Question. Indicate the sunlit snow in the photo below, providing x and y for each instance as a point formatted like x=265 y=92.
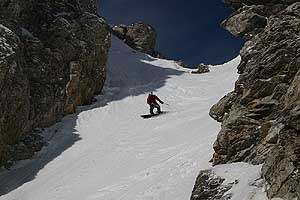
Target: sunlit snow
x=106 y=151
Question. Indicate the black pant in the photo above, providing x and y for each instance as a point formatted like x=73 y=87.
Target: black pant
x=152 y=106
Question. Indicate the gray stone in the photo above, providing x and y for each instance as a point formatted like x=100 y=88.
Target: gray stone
x=14 y=98
x=281 y=169
x=208 y=186
x=260 y=124
x=120 y=31
x=246 y=22
x=201 y=69
x=240 y=3
x=219 y=110
x=53 y=58
x=139 y=36
x=273 y=133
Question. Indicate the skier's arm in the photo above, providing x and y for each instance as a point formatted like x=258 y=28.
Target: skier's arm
x=159 y=100
x=148 y=100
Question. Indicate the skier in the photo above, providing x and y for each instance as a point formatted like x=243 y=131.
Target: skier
x=152 y=101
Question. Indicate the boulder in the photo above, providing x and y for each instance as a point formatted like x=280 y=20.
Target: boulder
x=208 y=186
x=120 y=31
x=201 y=69
x=139 y=36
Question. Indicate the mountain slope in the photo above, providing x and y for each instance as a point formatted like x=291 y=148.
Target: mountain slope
x=107 y=151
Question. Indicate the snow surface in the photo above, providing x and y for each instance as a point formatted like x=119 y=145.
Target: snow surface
x=246 y=180
x=106 y=151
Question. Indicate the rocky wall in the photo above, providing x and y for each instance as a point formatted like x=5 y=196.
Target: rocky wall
x=53 y=58
x=260 y=118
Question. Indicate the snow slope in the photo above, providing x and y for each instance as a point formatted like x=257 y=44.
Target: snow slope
x=106 y=151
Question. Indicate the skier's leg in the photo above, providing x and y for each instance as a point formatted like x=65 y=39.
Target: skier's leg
x=151 y=109
x=158 y=108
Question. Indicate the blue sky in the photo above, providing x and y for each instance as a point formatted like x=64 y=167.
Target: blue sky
x=187 y=31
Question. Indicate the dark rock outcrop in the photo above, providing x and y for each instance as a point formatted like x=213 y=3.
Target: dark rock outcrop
x=222 y=108
x=139 y=36
x=52 y=58
x=260 y=118
x=29 y=144
x=240 y=3
x=247 y=22
x=14 y=101
x=201 y=69
x=208 y=186
x=120 y=31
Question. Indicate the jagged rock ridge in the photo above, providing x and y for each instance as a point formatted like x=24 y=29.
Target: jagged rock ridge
x=52 y=59
x=260 y=118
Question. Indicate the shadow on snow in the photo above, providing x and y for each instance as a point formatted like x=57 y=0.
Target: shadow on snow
x=134 y=77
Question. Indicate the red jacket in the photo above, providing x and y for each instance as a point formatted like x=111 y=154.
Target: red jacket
x=152 y=99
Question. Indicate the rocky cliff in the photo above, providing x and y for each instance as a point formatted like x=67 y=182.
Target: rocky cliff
x=52 y=59
x=261 y=117
x=139 y=36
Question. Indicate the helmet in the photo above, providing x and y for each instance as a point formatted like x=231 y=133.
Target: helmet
x=151 y=93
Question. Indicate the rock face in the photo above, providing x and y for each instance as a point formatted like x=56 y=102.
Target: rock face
x=246 y=22
x=240 y=3
x=209 y=187
x=52 y=58
x=261 y=117
x=139 y=36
